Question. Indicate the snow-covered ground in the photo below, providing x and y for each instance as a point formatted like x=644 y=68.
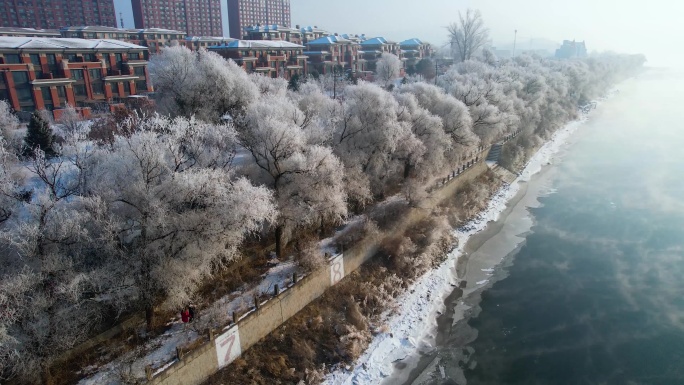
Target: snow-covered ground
x=411 y=328
x=160 y=352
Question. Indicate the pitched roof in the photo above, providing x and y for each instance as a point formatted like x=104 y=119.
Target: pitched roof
x=99 y=28
x=258 y=44
x=376 y=41
x=28 y=31
x=13 y=42
x=328 y=40
x=411 y=43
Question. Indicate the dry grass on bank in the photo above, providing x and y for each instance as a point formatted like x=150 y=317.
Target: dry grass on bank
x=337 y=328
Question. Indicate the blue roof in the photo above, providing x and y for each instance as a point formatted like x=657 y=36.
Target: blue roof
x=411 y=43
x=375 y=41
x=327 y=40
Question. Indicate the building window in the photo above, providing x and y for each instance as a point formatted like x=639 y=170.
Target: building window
x=47 y=96
x=80 y=90
x=61 y=91
x=140 y=86
x=22 y=86
x=35 y=59
x=11 y=58
x=95 y=74
x=127 y=87
x=97 y=88
x=139 y=71
x=77 y=74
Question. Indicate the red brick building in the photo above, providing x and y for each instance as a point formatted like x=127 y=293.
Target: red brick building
x=194 y=43
x=47 y=73
x=270 y=58
x=327 y=52
x=246 y=13
x=272 y=32
x=194 y=17
x=153 y=38
x=56 y=13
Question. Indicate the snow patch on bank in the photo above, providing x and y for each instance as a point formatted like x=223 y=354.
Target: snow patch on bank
x=412 y=327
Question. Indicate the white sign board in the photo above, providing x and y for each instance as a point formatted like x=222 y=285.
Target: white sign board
x=336 y=269
x=228 y=347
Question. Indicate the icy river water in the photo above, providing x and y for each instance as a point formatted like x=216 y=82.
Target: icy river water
x=581 y=281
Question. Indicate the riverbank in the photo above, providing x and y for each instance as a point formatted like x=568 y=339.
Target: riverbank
x=413 y=328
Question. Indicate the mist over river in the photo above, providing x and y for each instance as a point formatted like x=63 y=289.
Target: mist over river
x=582 y=280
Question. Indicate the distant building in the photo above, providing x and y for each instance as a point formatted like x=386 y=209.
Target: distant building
x=153 y=38
x=272 y=32
x=414 y=50
x=372 y=49
x=194 y=43
x=49 y=73
x=194 y=17
x=269 y=58
x=571 y=49
x=245 y=13
x=310 y=33
x=56 y=13
x=29 y=32
x=327 y=52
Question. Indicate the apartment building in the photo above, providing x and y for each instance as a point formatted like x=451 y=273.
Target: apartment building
x=270 y=58
x=49 y=73
x=56 y=13
x=245 y=13
x=194 y=17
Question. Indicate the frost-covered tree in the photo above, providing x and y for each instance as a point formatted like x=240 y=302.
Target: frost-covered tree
x=387 y=68
x=179 y=213
x=467 y=35
x=46 y=250
x=456 y=120
x=9 y=124
x=307 y=179
x=8 y=184
x=201 y=83
x=369 y=133
x=321 y=113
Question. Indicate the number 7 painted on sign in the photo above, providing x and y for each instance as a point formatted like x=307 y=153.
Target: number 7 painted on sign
x=336 y=269
x=228 y=347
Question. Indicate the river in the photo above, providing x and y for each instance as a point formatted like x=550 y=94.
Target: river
x=581 y=281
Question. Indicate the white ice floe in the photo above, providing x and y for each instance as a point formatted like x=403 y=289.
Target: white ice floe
x=411 y=328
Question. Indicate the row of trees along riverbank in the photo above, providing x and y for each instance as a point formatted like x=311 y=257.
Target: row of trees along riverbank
x=135 y=213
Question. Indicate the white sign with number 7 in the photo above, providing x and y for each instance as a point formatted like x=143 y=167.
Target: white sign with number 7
x=228 y=347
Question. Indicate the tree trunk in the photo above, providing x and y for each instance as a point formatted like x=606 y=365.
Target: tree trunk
x=279 y=240
x=407 y=169
x=149 y=317
x=46 y=375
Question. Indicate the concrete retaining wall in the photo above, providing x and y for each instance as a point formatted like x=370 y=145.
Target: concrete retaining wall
x=196 y=367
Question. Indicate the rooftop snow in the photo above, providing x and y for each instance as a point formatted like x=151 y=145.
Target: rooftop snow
x=29 y=30
x=377 y=41
x=99 y=28
x=411 y=43
x=258 y=44
x=209 y=38
x=48 y=43
x=327 y=40
x=267 y=28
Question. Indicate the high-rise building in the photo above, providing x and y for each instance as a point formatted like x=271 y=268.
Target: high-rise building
x=194 y=17
x=245 y=13
x=56 y=13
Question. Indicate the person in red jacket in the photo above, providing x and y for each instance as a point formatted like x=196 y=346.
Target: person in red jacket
x=185 y=315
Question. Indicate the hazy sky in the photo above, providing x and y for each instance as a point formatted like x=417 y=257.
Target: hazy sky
x=651 y=27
